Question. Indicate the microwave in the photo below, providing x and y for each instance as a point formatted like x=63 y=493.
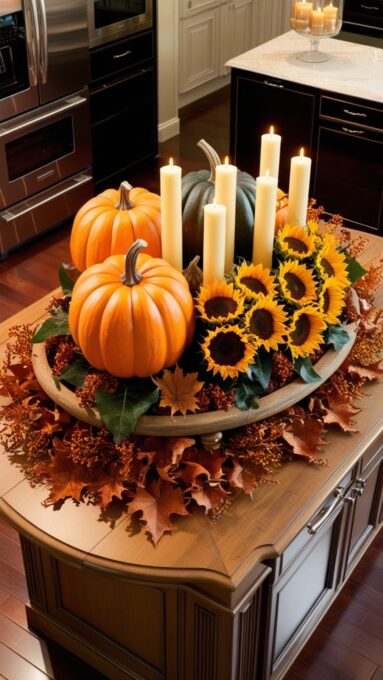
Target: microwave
x=110 y=20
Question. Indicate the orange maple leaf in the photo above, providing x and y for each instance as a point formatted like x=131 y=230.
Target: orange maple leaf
x=373 y=372
x=156 y=503
x=241 y=478
x=178 y=390
x=341 y=412
x=108 y=484
x=65 y=479
x=304 y=436
x=211 y=497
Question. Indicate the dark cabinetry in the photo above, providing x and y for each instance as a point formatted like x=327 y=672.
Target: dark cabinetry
x=123 y=96
x=343 y=136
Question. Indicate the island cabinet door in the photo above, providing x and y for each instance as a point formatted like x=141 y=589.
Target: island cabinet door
x=259 y=102
x=366 y=516
x=304 y=582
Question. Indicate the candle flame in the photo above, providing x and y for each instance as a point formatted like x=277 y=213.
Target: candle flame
x=227 y=160
x=170 y=161
x=271 y=129
x=302 y=152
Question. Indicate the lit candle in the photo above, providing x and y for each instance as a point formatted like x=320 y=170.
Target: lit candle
x=226 y=194
x=317 y=21
x=214 y=227
x=300 y=169
x=264 y=220
x=171 y=214
x=302 y=12
x=270 y=152
x=330 y=18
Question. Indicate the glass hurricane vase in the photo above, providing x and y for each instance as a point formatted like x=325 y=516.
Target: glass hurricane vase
x=315 y=20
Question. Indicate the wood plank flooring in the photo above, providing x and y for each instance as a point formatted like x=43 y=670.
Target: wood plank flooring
x=348 y=645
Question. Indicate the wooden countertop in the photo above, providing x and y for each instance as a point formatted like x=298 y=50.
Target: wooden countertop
x=352 y=69
x=223 y=556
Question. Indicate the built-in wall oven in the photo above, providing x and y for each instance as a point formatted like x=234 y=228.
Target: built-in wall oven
x=45 y=142
x=114 y=19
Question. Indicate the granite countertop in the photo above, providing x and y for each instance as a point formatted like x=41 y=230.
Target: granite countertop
x=352 y=69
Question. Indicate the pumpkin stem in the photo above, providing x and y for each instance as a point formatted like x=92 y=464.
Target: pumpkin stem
x=132 y=276
x=124 y=202
x=211 y=156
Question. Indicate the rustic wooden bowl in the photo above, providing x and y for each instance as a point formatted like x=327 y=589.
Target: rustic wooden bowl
x=211 y=423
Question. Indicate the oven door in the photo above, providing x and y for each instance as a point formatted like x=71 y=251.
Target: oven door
x=114 y=19
x=43 y=147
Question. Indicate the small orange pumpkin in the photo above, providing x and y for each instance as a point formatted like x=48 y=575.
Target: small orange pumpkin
x=132 y=315
x=109 y=223
x=281 y=209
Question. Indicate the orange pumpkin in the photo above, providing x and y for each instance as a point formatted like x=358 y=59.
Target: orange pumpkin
x=132 y=315
x=109 y=223
x=281 y=209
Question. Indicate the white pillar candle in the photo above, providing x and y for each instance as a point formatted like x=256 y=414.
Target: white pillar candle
x=264 y=220
x=226 y=194
x=330 y=18
x=171 y=214
x=317 y=21
x=302 y=11
x=214 y=228
x=300 y=169
x=270 y=153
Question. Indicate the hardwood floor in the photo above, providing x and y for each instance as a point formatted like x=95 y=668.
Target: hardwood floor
x=349 y=641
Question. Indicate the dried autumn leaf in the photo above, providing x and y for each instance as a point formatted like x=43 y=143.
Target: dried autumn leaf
x=156 y=503
x=212 y=497
x=108 y=484
x=241 y=478
x=304 y=436
x=65 y=479
x=178 y=390
x=373 y=372
x=212 y=460
x=340 y=412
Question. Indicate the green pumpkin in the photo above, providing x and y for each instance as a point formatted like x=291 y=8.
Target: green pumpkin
x=197 y=190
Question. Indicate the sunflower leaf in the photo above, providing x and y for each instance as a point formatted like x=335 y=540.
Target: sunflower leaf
x=260 y=370
x=336 y=336
x=120 y=410
x=355 y=270
x=55 y=325
x=76 y=372
x=304 y=368
x=67 y=276
x=246 y=394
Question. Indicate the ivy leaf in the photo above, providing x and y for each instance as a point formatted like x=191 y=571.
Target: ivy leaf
x=67 y=277
x=246 y=394
x=260 y=371
x=337 y=336
x=76 y=372
x=355 y=270
x=304 y=368
x=55 y=325
x=120 y=410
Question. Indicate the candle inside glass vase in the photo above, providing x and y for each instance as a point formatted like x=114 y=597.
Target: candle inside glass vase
x=330 y=13
x=317 y=21
x=301 y=15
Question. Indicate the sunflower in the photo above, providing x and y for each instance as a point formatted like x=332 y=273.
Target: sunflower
x=297 y=282
x=228 y=351
x=331 y=300
x=254 y=280
x=266 y=321
x=219 y=302
x=295 y=242
x=331 y=262
x=305 y=331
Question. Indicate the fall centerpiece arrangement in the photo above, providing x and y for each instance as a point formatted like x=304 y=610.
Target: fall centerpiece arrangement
x=164 y=387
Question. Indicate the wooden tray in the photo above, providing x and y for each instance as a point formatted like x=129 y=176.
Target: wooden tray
x=211 y=422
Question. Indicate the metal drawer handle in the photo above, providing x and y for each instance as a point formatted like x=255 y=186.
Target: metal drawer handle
x=34 y=120
x=315 y=524
x=123 y=54
x=372 y=7
x=353 y=132
x=355 y=113
x=267 y=82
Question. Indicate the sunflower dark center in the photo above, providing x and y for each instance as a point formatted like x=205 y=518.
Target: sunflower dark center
x=254 y=284
x=220 y=306
x=227 y=349
x=327 y=267
x=261 y=323
x=295 y=285
x=296 y=244
x=326 y=301
x=302 y=330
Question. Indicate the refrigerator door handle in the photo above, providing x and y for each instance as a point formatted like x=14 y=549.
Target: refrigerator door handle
x=32 y=42
x=43 y=40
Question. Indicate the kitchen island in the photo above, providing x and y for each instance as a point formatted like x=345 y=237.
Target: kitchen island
x=333 y=109
x=231 y=600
